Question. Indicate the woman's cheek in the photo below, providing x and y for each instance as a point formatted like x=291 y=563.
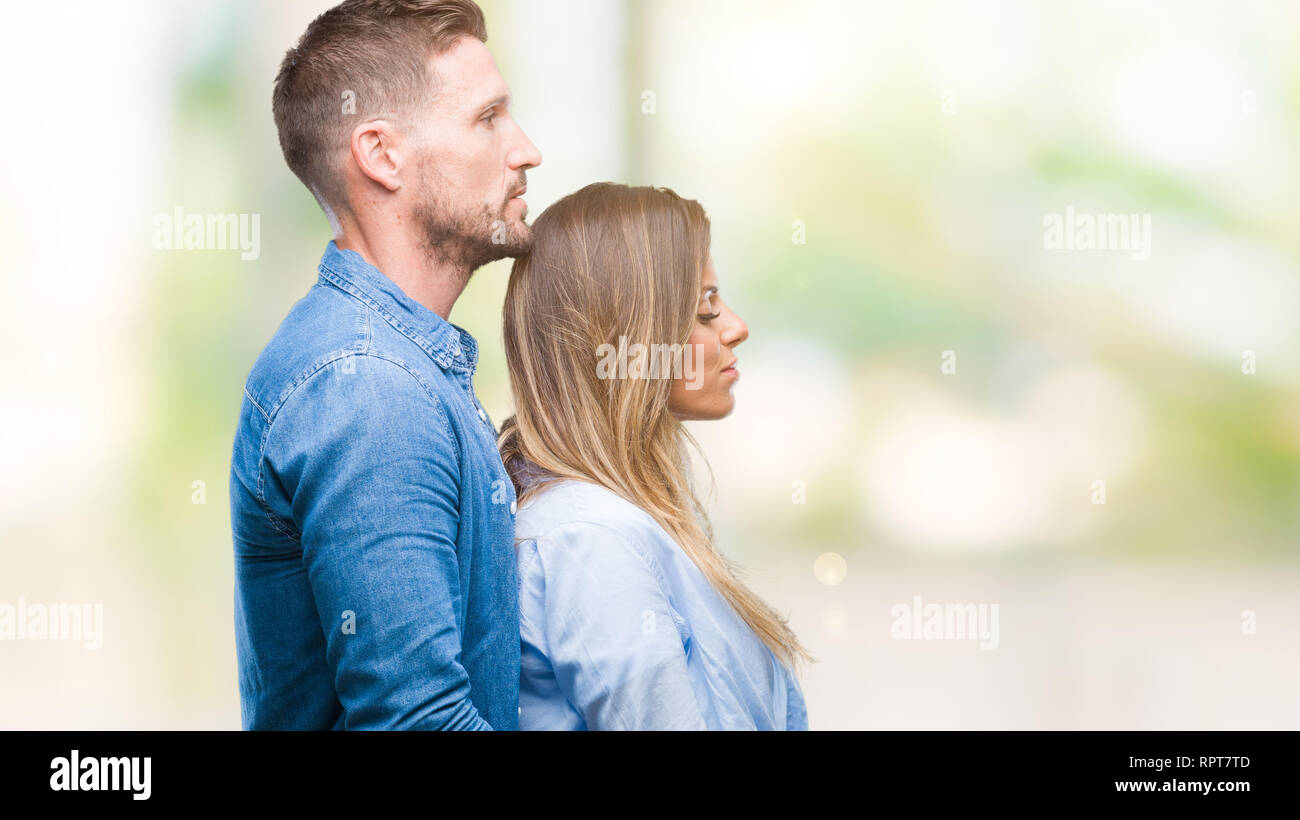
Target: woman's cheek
x=712 y=349
x=698 y=352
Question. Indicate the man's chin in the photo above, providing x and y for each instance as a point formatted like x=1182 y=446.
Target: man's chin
x=512 y=246
x=519 y=239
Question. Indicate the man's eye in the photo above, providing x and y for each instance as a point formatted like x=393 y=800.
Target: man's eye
x=489 y=118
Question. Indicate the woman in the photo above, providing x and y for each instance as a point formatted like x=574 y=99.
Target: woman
x=629 y=618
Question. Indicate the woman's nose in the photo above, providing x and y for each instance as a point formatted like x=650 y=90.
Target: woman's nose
x=735 y=332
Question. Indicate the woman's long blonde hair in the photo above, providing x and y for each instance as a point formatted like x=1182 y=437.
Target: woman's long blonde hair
x=611 y=261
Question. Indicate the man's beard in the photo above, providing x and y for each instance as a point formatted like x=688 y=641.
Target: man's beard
x=466 y=238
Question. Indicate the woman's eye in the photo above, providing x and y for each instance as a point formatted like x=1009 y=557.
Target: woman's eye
x=706 y=307
x=708 y=317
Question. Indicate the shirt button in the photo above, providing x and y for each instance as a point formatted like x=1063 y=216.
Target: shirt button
x=514 y=505
x=481 y=414
x=456 y=352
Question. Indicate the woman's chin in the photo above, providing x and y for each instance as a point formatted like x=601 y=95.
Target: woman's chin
x=702 y=412
x=727 y=406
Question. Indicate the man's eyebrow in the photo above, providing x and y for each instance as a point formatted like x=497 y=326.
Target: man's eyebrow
x=503 y=99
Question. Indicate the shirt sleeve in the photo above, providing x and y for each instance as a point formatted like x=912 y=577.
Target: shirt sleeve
x=367 y=459
x=613 y=640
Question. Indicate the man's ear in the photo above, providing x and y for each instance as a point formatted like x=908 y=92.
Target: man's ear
x=376 y=151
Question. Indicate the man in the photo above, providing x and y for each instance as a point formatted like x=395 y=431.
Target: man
x=373 y=520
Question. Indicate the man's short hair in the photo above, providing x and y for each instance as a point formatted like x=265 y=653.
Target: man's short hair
x=361 y=60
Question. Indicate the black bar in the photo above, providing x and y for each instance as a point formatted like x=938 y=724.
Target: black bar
x=1032 y=769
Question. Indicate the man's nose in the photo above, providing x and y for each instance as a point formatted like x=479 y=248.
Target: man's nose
x=525 y=154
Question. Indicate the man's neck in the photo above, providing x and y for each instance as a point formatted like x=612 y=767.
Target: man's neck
x=434 y=283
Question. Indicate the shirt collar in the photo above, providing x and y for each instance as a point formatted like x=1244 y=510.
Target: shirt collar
x=448 y=344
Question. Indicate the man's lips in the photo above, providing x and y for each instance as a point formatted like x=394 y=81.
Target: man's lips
x=519 y=195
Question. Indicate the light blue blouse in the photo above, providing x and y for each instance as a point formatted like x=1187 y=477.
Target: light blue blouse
x=620 y=630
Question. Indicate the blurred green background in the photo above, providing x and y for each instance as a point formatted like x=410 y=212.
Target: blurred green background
x=878 y=176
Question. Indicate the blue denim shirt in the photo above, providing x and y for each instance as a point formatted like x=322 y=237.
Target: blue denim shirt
x=621 y=630
x=375 y=582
